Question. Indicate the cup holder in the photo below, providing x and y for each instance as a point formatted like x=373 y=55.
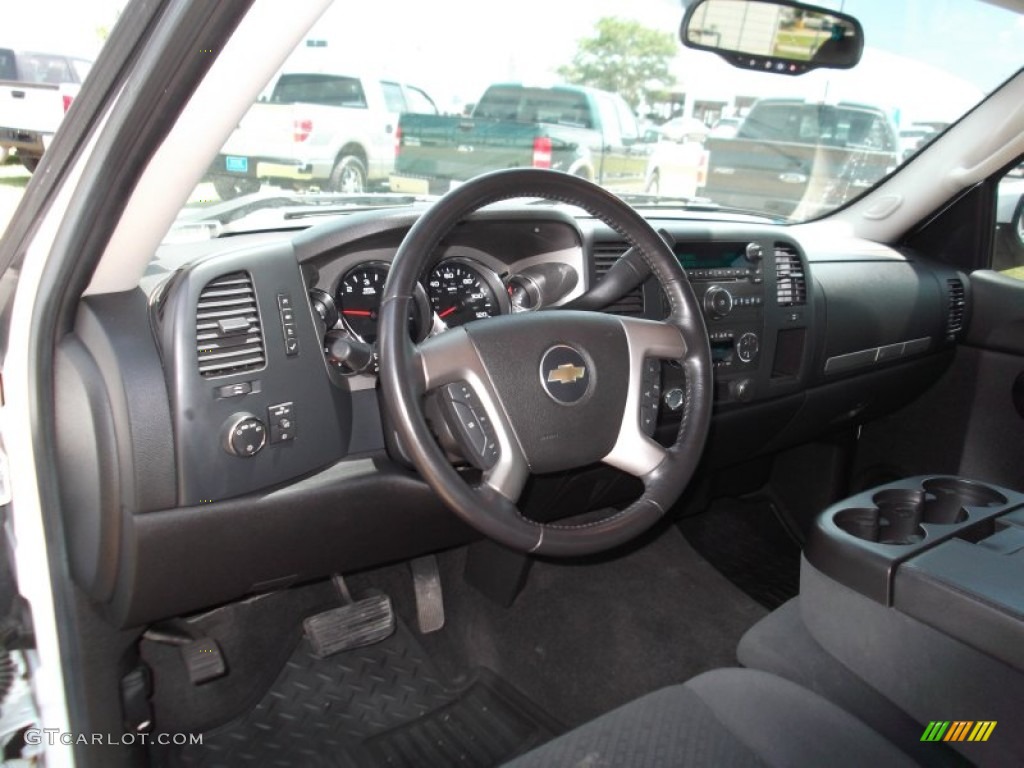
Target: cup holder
x=899 y=514
x=895 y=523
x=964 y=492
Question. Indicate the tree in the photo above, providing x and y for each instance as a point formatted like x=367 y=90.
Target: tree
x=624 y=57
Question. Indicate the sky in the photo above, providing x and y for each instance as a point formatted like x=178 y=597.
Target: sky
x=455 y=48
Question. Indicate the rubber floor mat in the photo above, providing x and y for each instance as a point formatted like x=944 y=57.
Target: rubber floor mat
x=382 y=705
x=745 y=541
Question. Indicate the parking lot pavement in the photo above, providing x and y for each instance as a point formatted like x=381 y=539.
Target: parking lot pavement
x=13 y=180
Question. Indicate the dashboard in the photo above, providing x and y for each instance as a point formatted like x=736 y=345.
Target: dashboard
x=234 y=399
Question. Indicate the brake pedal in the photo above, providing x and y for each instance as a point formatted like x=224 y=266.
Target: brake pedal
x=362 y=622
x=426 y=581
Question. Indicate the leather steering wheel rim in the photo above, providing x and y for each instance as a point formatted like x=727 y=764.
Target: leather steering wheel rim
x=405 y=376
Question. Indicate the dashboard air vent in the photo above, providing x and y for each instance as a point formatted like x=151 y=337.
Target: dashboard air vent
x=957 y=306
x=229 y=338
x=791 y=283
x=606 y=254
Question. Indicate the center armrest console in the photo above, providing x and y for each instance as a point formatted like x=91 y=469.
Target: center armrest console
x=944 y=550
x=917 y=587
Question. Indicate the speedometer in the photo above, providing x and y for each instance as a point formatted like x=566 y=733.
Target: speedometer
x=461 y=291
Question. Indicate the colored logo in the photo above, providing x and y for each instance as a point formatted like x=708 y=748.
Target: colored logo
x=567 y=373
x=564 y=374
x=958 y=730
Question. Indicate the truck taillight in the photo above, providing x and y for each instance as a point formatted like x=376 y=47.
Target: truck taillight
x=541 y=152
x=301 y=130
x=67 y=99
x=702 y=168
x=398 y=141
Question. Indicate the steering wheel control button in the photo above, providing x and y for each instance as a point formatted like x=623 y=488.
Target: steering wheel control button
x=565 y=374
x=286 y=310
x=471 y=425
x=244 y=435
x=281 y=418
x=674 y=399
x=650 y=395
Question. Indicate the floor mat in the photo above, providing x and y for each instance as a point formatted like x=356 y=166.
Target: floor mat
x=746 y=542
x=587 y=636
x=382 y=705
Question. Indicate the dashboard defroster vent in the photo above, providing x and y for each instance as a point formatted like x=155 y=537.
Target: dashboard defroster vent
x=229 y=338
x=605 y=255
x=957 y=307
x=791 y=283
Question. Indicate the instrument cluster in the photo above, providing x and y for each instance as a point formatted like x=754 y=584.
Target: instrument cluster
x=458 y=289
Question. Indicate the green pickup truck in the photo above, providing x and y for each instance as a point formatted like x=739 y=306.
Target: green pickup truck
x=582 y=131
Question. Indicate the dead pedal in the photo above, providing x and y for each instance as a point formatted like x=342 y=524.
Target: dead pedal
x=204 y=660
x=360 y=623
x=426 y=582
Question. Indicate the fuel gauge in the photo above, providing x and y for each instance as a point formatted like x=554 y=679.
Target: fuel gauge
x=523 y=293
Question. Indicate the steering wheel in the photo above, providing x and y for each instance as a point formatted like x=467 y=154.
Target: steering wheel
x=543 y=391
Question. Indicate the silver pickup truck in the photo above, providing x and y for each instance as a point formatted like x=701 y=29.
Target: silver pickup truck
x=36 y=89
x=318 y=127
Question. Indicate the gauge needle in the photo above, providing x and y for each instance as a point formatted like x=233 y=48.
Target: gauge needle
x=447 y=312
x=357 y=312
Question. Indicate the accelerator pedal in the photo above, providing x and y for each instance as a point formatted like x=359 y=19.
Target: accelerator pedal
x=356 y=624
x=426 y=581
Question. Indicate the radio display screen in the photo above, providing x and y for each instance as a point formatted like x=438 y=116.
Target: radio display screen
x=711 y=255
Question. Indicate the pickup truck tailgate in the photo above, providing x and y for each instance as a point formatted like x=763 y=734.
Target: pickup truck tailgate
x=778 y=173
x=35 y=107
x=459 y=148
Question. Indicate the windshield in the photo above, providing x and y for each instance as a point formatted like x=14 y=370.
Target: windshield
x=415 y=104
x=603 y=90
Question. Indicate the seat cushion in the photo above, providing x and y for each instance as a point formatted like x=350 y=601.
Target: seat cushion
x=727 y=717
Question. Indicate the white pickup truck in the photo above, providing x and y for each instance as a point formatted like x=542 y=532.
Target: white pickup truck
x=36 y=89
x=318 y=127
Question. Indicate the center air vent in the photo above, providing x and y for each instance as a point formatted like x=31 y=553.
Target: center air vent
x=228 y=334
x=605 y=255
x=957 y=307
x=791 y=283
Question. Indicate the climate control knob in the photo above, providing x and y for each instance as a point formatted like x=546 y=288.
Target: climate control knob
x=244 y=435
x=747 y=347
x=717 y=301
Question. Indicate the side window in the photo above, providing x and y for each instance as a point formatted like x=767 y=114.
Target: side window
x=417 y=101
x=393 y=97
x=81 y=67
x=627 y=121
x=609 y=119
x=1008 y=255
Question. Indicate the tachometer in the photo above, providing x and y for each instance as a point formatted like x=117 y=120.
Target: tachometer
x=461 y=291
x=358 y=299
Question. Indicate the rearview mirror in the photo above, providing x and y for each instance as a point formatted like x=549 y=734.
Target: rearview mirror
x=776 y=36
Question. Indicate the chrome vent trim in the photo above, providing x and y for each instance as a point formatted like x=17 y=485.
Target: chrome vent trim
x=957 y=308
x=229 y=337
x=605 y=255
x=791 y=282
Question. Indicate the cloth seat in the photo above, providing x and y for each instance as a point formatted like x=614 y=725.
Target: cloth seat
x=722 y=718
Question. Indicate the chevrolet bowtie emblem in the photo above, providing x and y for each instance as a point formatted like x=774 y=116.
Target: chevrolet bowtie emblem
x=566 y=374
